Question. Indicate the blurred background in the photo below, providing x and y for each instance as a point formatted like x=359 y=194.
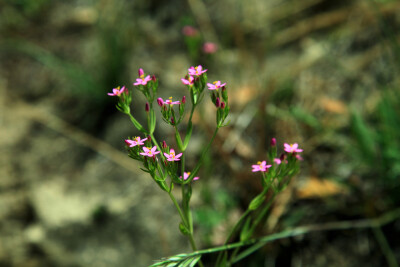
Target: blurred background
x=324 y=74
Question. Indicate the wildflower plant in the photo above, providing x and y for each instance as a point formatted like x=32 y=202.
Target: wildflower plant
x=166 y=165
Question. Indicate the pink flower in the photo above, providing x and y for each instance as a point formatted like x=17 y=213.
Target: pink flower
x=117 y=91
x=215 y=85
x=150 y=152
x=142 y=80
x=277 y=161
x=170 y=102
x=189 y=81
x=197 y=71
x=189 y=31
x=210 y=47
x=186 y=176
x=260 y=167
x=135 y=142
x=292 y=148
x=171 y=156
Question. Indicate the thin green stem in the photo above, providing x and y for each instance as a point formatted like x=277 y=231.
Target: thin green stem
x=386 y=250
x=183 y=218
x=200 y=162
x=301 y=230
x=262 y=214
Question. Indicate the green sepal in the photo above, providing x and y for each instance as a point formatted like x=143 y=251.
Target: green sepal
x=256 y=202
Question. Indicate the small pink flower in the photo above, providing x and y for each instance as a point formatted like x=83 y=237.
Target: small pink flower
x=160 y=101
x=189 y=31
x=170 y=102
x=261 y=167
x=277 y=161
x=142 y=80
x=150 y=152
x=186 y=176
x=299 y=157
x=292 y=148
x=117 y=91
x=215 y=85
x=171 y=156
x=135 y=142
x=210 y=47
x=197 y=71
x=189 y=81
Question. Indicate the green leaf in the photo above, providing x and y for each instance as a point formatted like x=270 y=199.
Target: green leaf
x=245 y=234
x=178 y=139
x=256 y=202
x=184 y=230
x=181 y=260
x=364 y=137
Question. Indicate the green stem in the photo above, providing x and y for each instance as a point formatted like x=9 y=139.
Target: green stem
x=301 y=230
x=183 y=218
x=262 y=214
x=387 y=251
x=200 y=162
x=257 y=221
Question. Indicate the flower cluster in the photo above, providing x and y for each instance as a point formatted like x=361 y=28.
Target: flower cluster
x=278 y=173
x=168 y=112
x=166 y=166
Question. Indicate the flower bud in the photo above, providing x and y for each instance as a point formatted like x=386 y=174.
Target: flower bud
x=153 y=78
x=282 y=157
x=223 y=105
x=172 y=121
x=141 y=72
x=217 y=102
x=160 y=101
x=164 y=144
x=147 y=107
x=273 y=141
x=183 y=100
x=149 y=139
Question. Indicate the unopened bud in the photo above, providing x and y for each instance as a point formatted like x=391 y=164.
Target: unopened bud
x=140 y=72
x=273 y=141
x=164 y=144
x=172 y=120
x=282 y=157
x=149 y=139
x=217 y=102
x=223 y=105
x=153 y=78
x=183 y=99
x=147 y=107
x=160 y=102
